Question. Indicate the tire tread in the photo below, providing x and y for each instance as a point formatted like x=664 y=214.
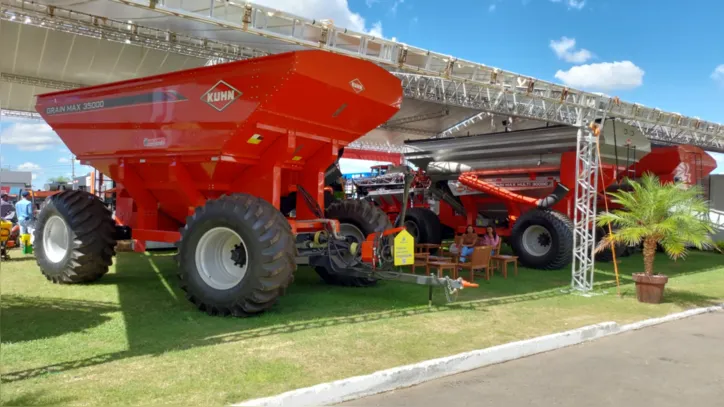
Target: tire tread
x=272 y=274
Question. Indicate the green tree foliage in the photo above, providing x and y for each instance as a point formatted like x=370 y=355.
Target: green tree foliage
x=671 y=214
x=59 y=179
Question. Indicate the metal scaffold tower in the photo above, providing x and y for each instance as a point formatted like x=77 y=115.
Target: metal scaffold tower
x=584 y=211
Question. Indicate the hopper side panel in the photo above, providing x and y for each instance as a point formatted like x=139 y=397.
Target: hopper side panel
x=189 y=111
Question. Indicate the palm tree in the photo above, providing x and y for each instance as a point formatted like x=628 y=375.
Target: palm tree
x=672 y=214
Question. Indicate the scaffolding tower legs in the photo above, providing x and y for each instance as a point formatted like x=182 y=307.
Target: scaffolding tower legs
x=584 y=212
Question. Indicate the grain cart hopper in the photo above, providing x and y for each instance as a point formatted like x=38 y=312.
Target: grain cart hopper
x=202 y=158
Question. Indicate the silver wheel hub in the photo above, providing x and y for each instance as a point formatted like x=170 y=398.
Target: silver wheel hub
x=352 y=234
x=536 y=240
x=221 y=258
x=56 y=239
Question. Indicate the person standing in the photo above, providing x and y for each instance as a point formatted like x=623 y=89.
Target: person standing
x=24 y=211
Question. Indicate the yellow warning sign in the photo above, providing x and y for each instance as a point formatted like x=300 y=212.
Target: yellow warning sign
x=404 y=250
x=255 y=139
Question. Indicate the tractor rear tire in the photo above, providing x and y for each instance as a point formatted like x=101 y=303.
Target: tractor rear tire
x=424 y=225
x=357 y=219
x=74 y=238
x=236 y=256
x=543 y=239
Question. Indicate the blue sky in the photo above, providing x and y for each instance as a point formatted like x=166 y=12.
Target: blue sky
x=661 y=53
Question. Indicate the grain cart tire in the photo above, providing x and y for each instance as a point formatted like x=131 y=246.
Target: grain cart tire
x=543 y=239
x=357 y=220
x=235 y=256
x=424 y=225
x=74 y=238
x=242 y=198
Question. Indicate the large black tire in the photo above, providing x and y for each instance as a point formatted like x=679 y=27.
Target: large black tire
x=425 y=225
x=90 y=230
x=558 y=241
x=268 y=258
x=367 y=218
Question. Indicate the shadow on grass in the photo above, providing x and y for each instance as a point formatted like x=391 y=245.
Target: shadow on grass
x=32 y=318
x=19 y=259
x=159 y=319
x=36 y=398
x=689 y=299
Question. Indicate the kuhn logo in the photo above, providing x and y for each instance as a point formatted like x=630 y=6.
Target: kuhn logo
x=356 y=85
x=221 y=95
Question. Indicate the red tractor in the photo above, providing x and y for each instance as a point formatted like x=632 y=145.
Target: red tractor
x=204 y=158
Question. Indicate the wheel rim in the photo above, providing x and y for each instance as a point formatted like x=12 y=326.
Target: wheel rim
x=412 y=229
x=222 y=258
x=55 y=239
x=537 y=240
x=353 y=234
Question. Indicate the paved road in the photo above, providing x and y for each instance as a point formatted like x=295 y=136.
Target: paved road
x=677 y=364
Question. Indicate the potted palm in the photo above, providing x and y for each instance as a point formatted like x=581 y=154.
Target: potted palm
x=672 y=215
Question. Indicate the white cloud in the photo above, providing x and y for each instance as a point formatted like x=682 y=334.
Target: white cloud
x=606 y=76
x=565 y=49
x=29 y=136
x=718 y=74
x=395 y=3
x=376 y=30
x=28 y=166
x=573 y=4
x=34 y=176
x=335 y=10
x=63 y=160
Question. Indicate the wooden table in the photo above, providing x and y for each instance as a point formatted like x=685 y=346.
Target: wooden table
x=504 y=260
x=444 y=265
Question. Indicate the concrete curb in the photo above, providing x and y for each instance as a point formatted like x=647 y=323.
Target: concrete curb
x=668 y=318
x=410 y=375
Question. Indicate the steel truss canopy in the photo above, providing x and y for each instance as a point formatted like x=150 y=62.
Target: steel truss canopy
x=433 y=82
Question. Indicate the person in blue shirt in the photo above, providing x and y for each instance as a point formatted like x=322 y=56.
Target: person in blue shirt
x=24 y=212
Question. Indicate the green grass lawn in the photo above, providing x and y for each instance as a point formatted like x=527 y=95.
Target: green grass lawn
x=131 y=338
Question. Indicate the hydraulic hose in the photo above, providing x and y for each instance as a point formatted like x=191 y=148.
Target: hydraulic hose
x=470 y=180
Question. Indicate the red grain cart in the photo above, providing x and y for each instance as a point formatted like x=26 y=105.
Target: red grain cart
x=522 y=183
x=203 y=157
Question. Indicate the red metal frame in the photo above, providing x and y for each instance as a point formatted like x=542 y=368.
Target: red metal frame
x=259 y=126
x=371 y=155
x=689 y=163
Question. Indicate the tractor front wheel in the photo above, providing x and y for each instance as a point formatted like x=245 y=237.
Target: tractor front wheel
x=357 y=220
x=236 y=256
x=74 y=238
x=543 y=239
